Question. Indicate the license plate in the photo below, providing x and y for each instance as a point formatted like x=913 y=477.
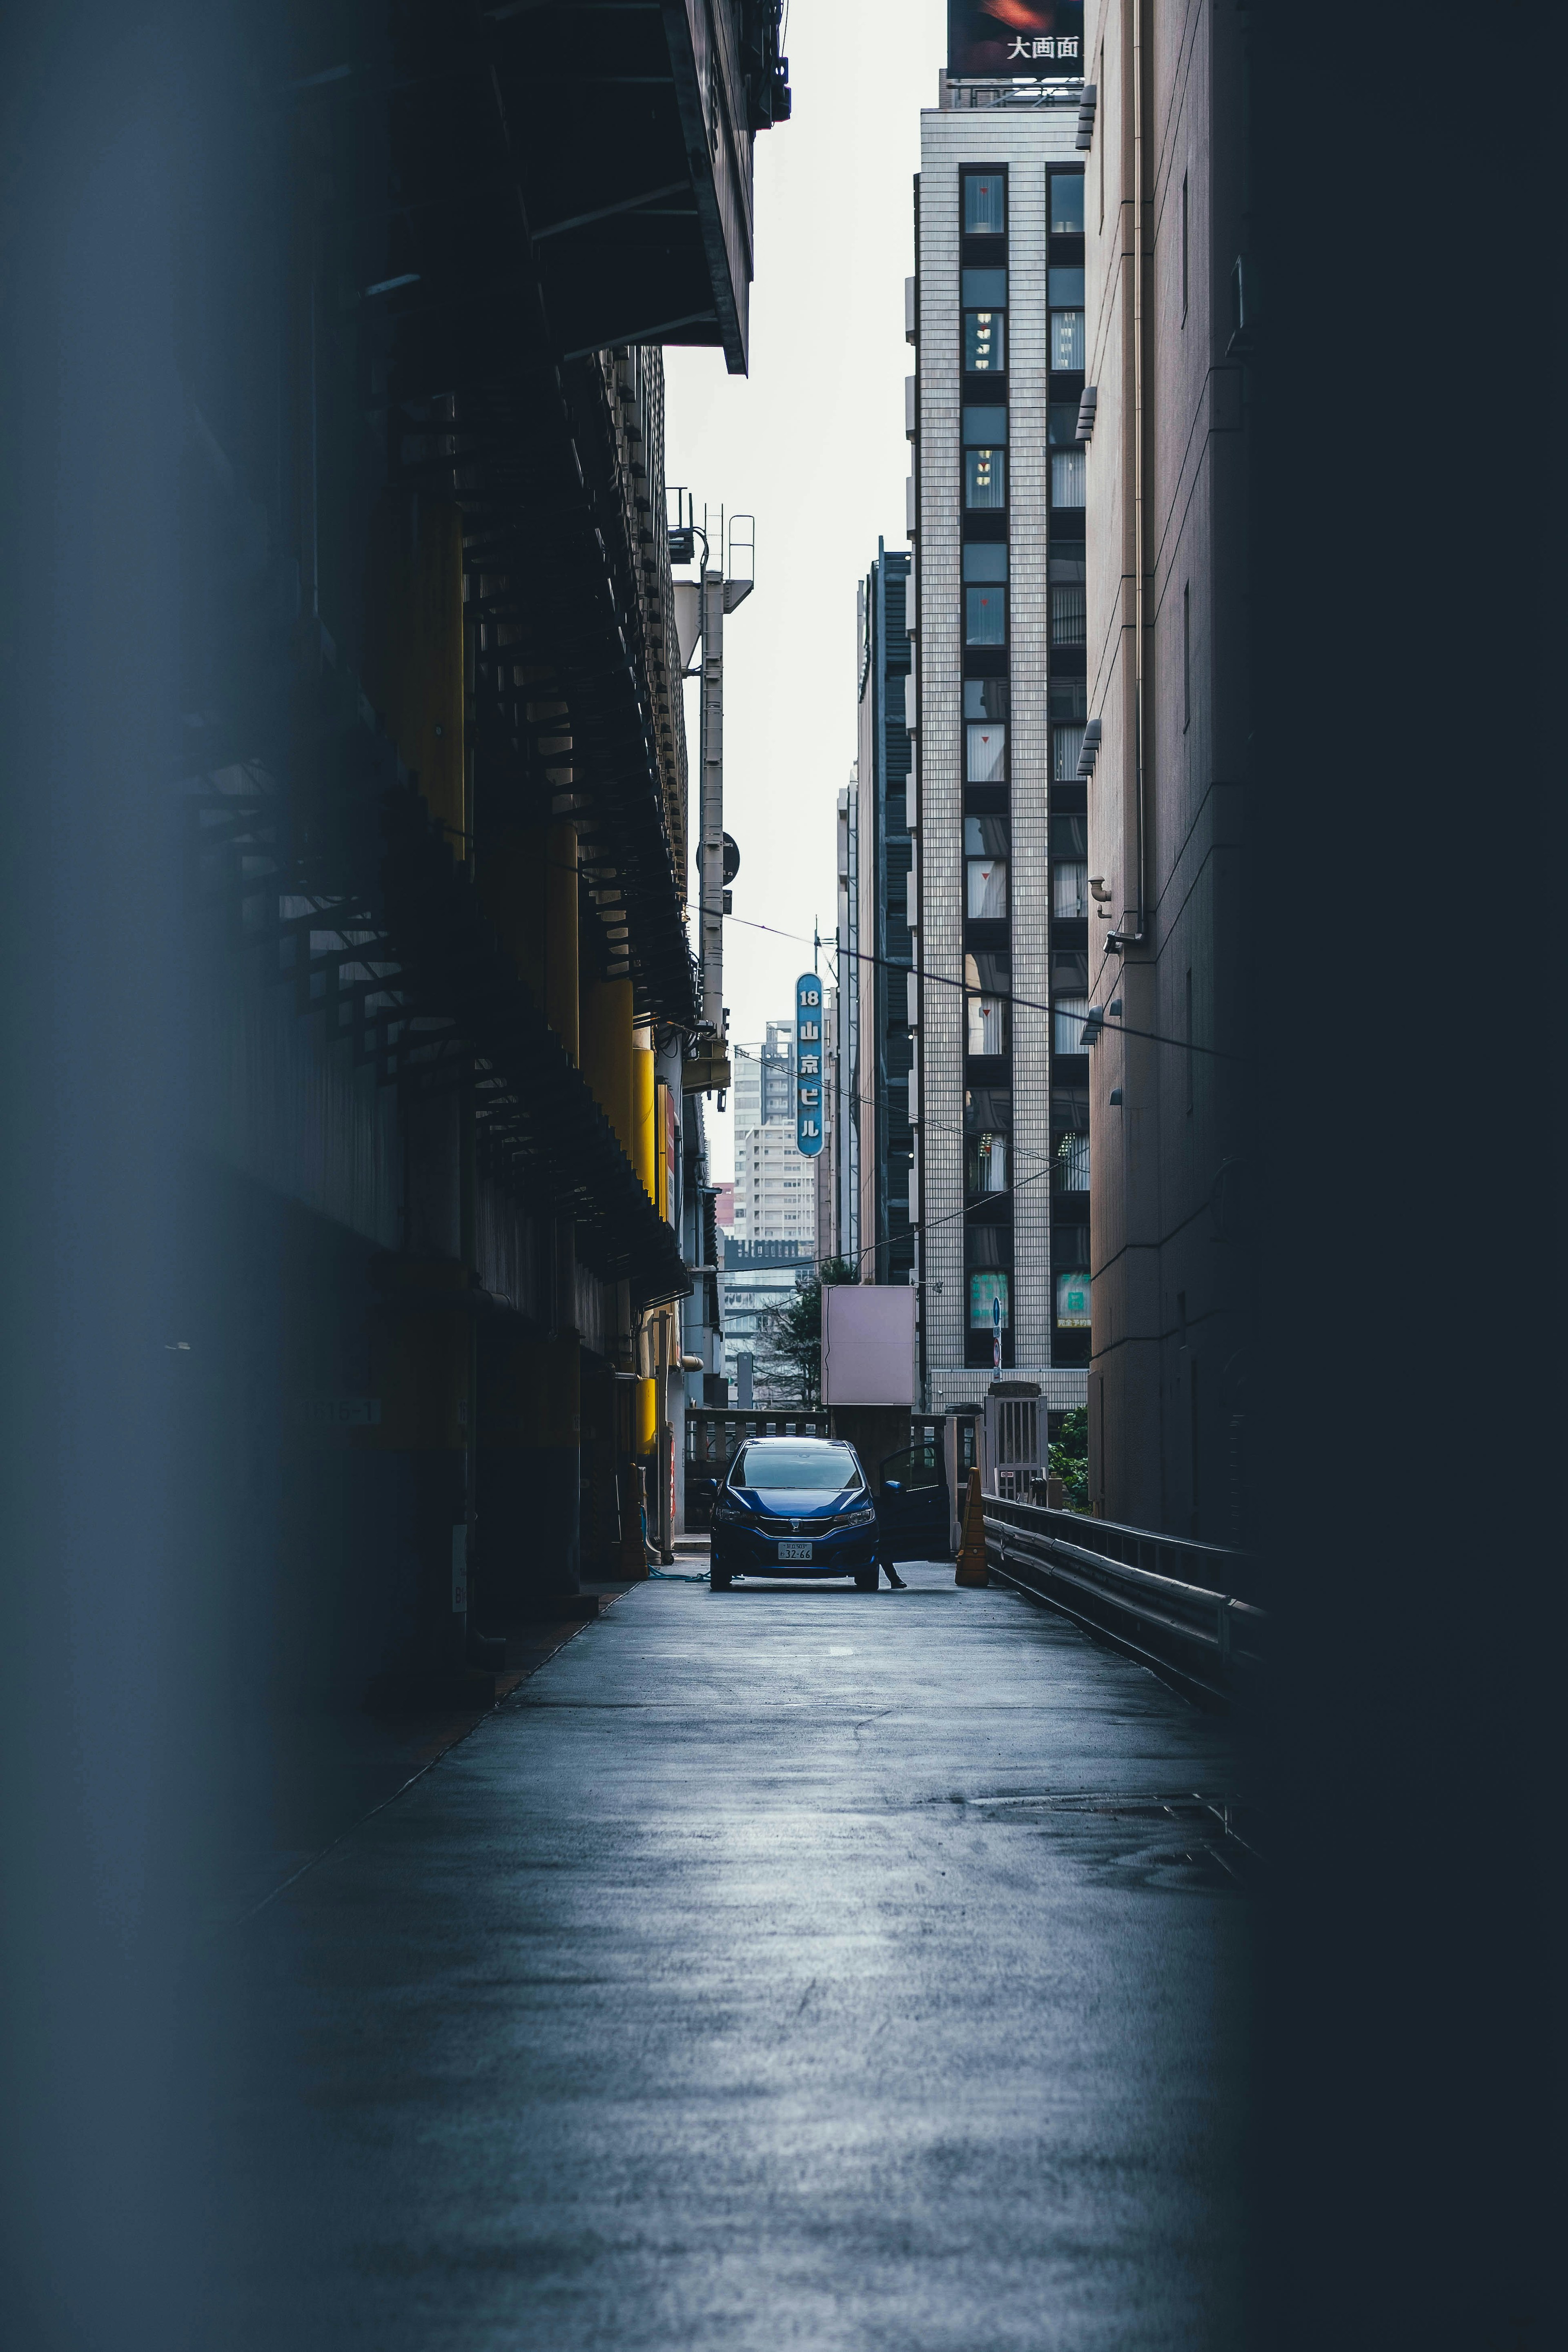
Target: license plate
x=795 y=1551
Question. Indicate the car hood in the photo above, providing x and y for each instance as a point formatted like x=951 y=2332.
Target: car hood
x=798 y=1502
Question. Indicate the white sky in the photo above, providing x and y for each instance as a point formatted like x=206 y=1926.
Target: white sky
x=812 y=443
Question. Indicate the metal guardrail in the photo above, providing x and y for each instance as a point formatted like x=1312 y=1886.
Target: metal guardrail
x=1203 y=1636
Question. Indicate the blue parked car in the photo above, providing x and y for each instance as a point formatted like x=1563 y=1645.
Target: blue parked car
x=796 y=1507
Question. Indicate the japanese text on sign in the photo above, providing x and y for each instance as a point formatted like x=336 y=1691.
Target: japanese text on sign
x=808 y=1114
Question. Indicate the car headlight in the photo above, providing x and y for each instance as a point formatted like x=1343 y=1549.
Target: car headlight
x=863 y=1519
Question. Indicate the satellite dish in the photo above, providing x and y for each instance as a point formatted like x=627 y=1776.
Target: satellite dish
x=731 y=860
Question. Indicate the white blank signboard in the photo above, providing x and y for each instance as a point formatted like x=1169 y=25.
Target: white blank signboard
x=868 y=1344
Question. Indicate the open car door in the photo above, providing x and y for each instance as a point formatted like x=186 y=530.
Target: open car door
x=913 y=1505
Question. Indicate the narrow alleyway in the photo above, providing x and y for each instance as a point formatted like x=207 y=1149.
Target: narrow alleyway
x=776 y=1967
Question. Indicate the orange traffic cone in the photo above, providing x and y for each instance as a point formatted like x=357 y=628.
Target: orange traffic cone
x=972 y=1563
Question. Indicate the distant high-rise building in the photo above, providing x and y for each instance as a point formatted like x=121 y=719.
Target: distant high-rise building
x=996 y=804
x=842 y=1149
x=885 y=952
x=765 y=1080
x=775 y=1187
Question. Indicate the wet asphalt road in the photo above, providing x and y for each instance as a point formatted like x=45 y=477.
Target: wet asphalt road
x=708 y=1998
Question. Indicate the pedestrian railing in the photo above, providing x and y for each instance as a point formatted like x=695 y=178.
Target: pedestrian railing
x=1182 y=1607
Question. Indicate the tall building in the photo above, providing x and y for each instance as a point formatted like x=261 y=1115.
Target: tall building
x=885 y=953
x=775 y=1187
x=842 y=1148
x=765 y=1080
x=996 y=514
x=1168 y=345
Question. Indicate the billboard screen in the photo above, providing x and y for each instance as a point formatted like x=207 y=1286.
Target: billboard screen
x=1032 y=40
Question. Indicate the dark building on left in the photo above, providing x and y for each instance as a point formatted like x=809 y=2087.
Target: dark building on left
x=378 y=1009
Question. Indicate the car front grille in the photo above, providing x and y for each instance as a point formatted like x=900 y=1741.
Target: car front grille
x=768 y=1526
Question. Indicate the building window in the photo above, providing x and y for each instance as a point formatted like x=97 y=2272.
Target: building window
x=987 y=1133
x=1064 y=290
x=1072 y=1301
x=984 y=204
x=1069 y=615
x=1066 y=742
x=985 y=1025
x=985 y=617
x=988 y=1292
x=1070 y=891
x=986 y=342
x=985 y=427
x=1067 y=1016
x=1067 y=340
x=1070 y=1173
x=1061 y=425
x=1069 y=475
x=985 y=752
x=987 y=976
x=1065 y=561
x=1067 y=203
x=983 y=289
x=986 y=868
x=984 y=478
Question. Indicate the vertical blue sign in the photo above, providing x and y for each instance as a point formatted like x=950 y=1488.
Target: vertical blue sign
x=808 y=1064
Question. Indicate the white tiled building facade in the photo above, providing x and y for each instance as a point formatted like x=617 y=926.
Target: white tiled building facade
x=775 y=1187
x=985 y=1200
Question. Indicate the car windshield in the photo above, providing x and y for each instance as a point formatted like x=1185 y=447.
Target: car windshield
x=820 y=1469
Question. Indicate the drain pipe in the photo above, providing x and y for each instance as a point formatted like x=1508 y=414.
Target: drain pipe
x=1140 y=625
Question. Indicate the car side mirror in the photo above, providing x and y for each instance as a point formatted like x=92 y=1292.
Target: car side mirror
x=892 y=1487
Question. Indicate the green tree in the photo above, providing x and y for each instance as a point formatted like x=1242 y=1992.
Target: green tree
x=1070 y=1458
x=790 y=1354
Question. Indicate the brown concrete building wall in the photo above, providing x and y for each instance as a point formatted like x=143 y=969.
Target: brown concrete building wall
x=1168 y=1378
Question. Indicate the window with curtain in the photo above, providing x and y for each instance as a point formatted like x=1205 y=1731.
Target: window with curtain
x=1069 y=613
x=984 y=204
x=1072 y=1163
x=984 y=478
x=1069 y=476
x=1067 y=1016
x=1066 y=742
x=986 y=342
x=985 y=615
x=987 y=977
x=985 y=751
x=985 y=1026
x=1067 y=203
x=1069 y=889
x=1069 y=833
x=986 y=895
x=1066 y=338
x=985 y=868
